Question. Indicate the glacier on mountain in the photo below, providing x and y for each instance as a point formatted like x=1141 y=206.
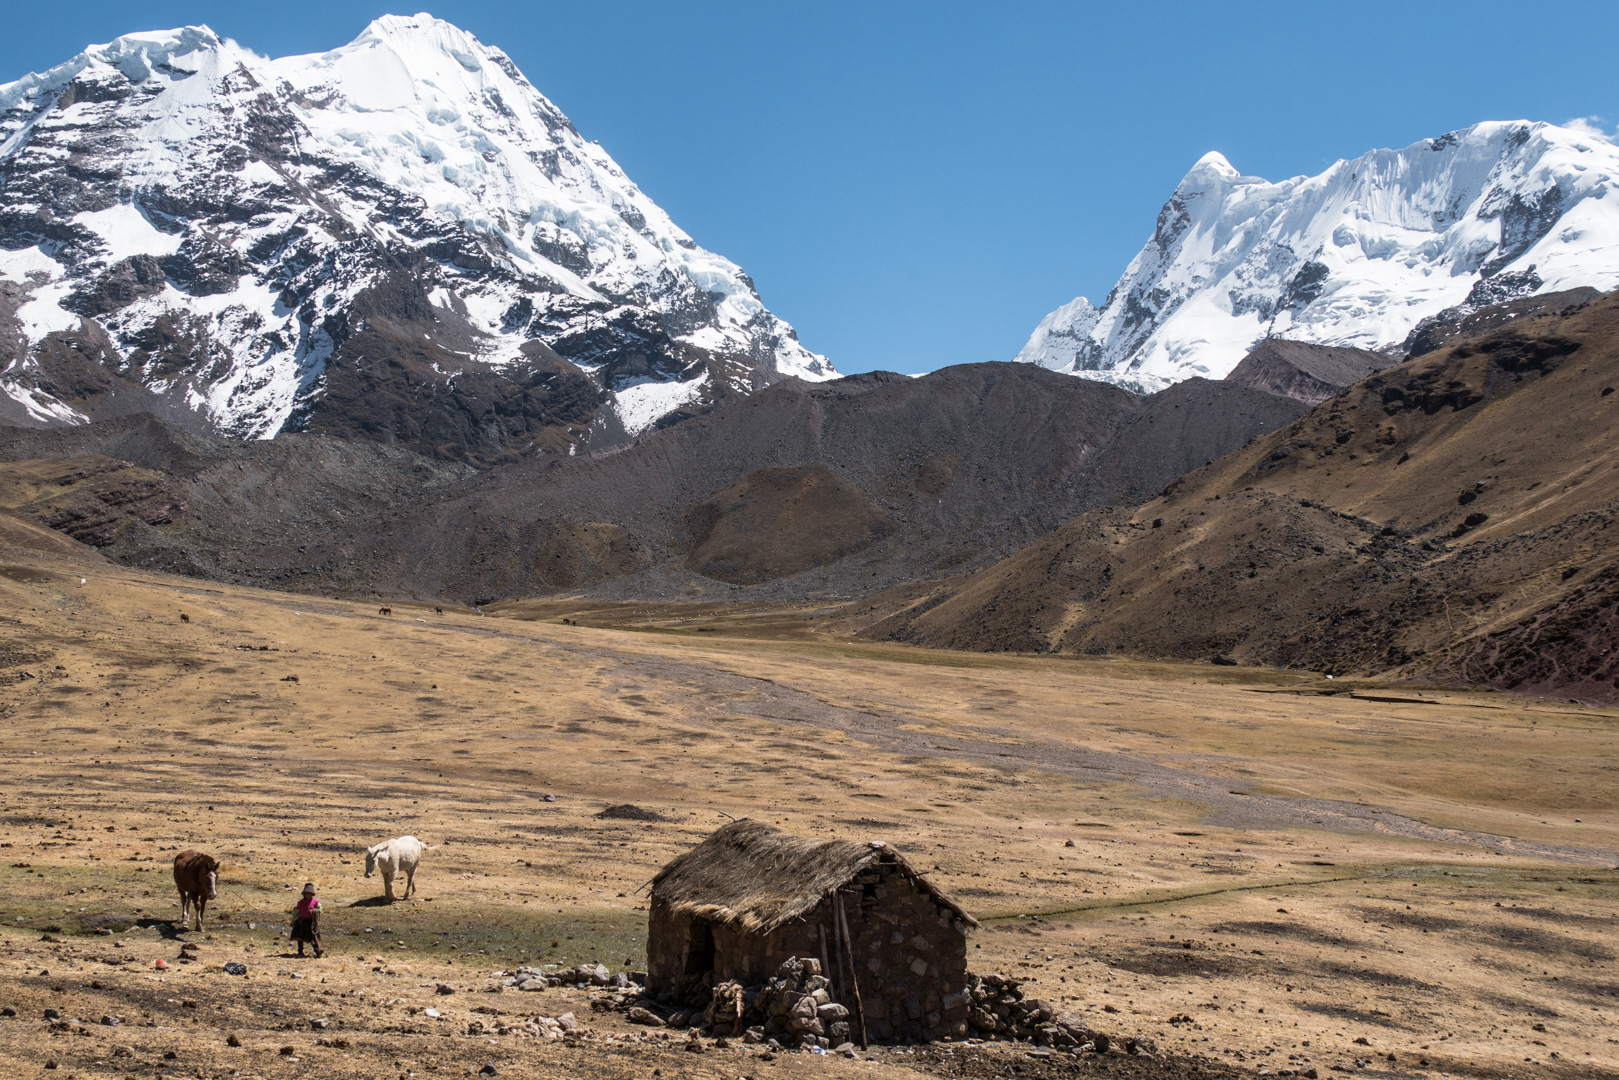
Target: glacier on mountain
x=1357 y=255
x=224 y=229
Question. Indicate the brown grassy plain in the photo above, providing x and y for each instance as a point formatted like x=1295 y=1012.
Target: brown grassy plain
x=1247 y=872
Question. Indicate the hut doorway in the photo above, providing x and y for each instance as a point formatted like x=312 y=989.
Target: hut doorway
x=700 y=947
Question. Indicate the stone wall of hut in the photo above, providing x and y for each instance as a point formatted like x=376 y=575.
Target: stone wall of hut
x=910 y=956
x=668 y=944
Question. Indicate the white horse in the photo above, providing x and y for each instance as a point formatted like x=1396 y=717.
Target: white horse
x=392 y=857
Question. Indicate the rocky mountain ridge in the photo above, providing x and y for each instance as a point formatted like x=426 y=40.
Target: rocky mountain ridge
x=401 y=239
x=800 y=491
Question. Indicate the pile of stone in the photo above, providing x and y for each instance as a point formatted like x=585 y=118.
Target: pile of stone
x=793 y=1008
x=998 y=1009
x=527 y=1027
x=532 y=978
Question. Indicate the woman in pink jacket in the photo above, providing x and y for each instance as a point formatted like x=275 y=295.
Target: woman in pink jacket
x=306 y=920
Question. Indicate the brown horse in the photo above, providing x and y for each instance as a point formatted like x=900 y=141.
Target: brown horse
x=196 y=876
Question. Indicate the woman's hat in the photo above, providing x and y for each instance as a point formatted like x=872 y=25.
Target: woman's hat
x=309 y=889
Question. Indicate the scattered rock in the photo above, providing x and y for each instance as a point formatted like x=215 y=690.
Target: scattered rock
x=52 y=1014
x=233 y=1040
x=230 y=969
x=109 y=1020
x=320 y=1023
x=488 y=1070
x=638 y=1015
x=288 y=1051
x=444 y=988
x=8 y=1011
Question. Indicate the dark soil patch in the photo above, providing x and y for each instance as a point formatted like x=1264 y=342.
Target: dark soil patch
x=868 y=823
x=1545 y=944
x=1343 y=1012
x=1608 y=991
x=1512 y=1006
x=1413 y=919
x=630 y=812
x=1376 y=978
x=1172 y=961
x=973 y=1062
x=1553 y=915
x=1553 y=1070
x=1284 y=930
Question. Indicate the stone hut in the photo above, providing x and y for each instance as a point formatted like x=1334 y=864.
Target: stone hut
x=748 y=898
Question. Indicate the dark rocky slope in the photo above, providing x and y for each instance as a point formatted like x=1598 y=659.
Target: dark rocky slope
x=1306 y=372
x=1452 y=518
x=829 y=489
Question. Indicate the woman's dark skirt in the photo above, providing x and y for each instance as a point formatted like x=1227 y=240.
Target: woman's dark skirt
x=306 y=930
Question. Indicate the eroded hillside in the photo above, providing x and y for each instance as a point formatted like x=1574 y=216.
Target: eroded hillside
x=1450 y=517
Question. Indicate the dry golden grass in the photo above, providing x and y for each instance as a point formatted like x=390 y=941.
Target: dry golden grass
x=1434 y=874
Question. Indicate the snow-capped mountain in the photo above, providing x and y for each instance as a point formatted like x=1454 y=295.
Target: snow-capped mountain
x=1355 y=256
x=401 y=236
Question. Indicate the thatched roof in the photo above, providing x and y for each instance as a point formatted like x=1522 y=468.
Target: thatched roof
x=754 y=876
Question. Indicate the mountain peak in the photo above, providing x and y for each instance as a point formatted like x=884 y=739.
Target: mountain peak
x=1216 y=163
x=420 y=29
x=1356 y=256
x=1211 y=173
x=407 y=195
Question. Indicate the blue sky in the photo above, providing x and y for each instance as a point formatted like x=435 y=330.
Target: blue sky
x=917 y=184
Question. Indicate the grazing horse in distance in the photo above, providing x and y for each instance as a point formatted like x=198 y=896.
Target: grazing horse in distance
x=197 y=877
x=393 y=857
x=385 y=611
